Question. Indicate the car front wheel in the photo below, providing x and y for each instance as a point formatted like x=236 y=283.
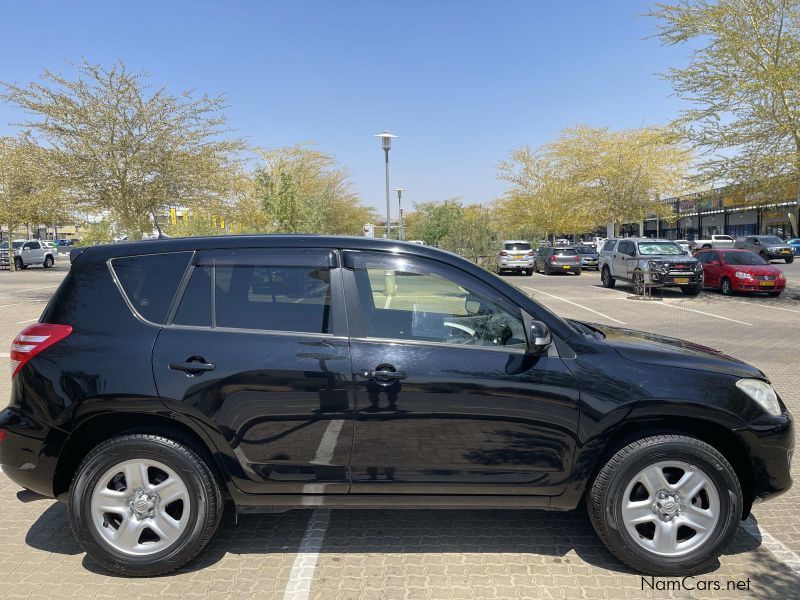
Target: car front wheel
x=606 y=278
x=48 y=262
x=143 y=505
x=727 y=287
x=789 y=260
x=666 y=504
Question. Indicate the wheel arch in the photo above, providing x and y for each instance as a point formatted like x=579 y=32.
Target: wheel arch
x=717 y=436
x=98 y=428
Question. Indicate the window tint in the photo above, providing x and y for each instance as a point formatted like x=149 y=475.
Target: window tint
x=609 y=245
x=35 y=246
x=412 y=301
x=743 y=258
x=150 y=281
x=266 y=290
x=517 y=246
x=626 y=248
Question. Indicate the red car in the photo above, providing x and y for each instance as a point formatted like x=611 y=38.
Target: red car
x=740 y=271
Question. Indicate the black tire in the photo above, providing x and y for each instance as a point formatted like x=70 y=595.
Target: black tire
x=48 y=262
x=726 y=286
x=789 y=260
x=607 y=492
x=205 y=513
x=18 y=264
x=529 y=272
x=606 y=278
x=691 y=290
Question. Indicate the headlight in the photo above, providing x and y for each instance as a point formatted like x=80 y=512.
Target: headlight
x=742 y=275
x=655 y=265
x=762 y=393
x=781 y=275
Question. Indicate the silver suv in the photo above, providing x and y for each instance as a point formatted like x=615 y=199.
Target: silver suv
x=26 y=253
x=517 y=256
x=666 y=262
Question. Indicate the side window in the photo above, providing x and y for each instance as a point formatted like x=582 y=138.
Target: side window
x=703 y=257
x=26 y=246
x=271 y=290
x=150 y=281
x=422 y=301
x=35 y=246
x=609 y=245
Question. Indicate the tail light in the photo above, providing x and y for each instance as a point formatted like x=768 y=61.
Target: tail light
x=554 y=258
x=32 y=340
x=503 y=253
x=530 y=253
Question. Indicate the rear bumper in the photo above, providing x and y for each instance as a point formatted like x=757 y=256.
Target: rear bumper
x=516 y=264
x=29 y=454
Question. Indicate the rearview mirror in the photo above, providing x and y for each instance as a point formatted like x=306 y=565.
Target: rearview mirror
x=538 y=337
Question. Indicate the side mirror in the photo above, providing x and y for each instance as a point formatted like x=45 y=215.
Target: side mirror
x=538 y=337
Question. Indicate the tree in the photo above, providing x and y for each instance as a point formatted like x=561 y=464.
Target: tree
x=465 y=230
x=742 y=83
x=24 y=186
x=301 y=189
x=121 y=147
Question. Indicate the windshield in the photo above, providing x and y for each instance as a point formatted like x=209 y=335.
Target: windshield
x=646 y=248
x=742 y=258
x=585 y=250
x=771 y=239
x=517 y=246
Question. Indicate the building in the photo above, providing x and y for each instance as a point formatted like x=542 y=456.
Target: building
x=722 y=211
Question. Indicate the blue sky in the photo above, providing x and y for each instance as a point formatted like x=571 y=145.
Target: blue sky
x=460 y=82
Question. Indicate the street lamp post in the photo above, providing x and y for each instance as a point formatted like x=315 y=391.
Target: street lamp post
x=400 y=191
x=386 y=142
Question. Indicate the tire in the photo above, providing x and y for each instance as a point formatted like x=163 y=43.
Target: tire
x=529 y=272
x=197 y=510
x=18 y=264
x=625 y=478
x=789 y=260
x=606 y=278
x=691 y=290
x=48 y=262
x=727 y=287
x=765 y=256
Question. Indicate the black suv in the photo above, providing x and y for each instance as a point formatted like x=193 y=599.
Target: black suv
x=279 y=372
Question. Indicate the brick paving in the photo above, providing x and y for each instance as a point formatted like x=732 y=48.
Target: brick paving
x=437 y=553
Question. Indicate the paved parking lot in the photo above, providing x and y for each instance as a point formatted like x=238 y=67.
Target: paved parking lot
x=435 y=554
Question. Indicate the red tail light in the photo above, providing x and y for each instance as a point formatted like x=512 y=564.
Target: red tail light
x=503 y=253
x=530 y=253
x=554 y=258
x=32 y=340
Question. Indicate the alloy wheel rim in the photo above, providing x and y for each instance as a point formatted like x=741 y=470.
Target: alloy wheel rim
x=670 y=508
x=140 y=507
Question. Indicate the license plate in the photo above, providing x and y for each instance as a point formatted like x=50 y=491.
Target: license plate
x=766 y=283
x=681 y=280
x=565 y=267
x=517 y=256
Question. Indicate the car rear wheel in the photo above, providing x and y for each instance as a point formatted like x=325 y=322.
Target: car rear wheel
x=727 y=287
x=143 y=505
x=789 y=259
x=666 y=504
x=606 y=278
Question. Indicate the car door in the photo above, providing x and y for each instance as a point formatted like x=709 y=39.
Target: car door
x=447 y=398
x=624 y=250
x=257 y=348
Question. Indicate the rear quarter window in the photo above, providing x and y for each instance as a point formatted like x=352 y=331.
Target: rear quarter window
x=150 y=281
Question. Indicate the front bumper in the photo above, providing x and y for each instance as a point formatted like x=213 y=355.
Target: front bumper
x=754 y=286
x=590 y=263
x=689 y=278
x=769 y=443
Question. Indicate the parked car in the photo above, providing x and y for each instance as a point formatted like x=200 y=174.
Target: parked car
x=715 y=241
x=418 y=242
x=667 y=264
x=589 y=257
x=330 y=395
x=27 y=253
x=64 y=242
x=735 y=271
x=768 y=247
x=557 y=260
x=516 y=256
x=795 y=244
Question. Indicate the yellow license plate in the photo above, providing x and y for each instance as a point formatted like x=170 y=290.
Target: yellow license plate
x=766 y=283
x=565 y=267
x=517 y=256
x=681 y=280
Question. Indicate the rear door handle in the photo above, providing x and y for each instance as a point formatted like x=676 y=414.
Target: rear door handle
x=382 y=374
x=192 y=367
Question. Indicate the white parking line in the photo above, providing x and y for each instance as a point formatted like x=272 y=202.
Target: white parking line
x=28 y=320
x=591 y=310
x=305 y=563
x=702 y=312
x=778 y=549
x=47 y=287
x=764 y=305
x=327 y=445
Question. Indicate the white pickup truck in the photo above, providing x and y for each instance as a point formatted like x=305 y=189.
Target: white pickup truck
x=26 y=253
x=716 y=241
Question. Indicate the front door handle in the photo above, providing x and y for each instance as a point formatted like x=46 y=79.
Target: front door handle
x=382 y=374
x=192 y=366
